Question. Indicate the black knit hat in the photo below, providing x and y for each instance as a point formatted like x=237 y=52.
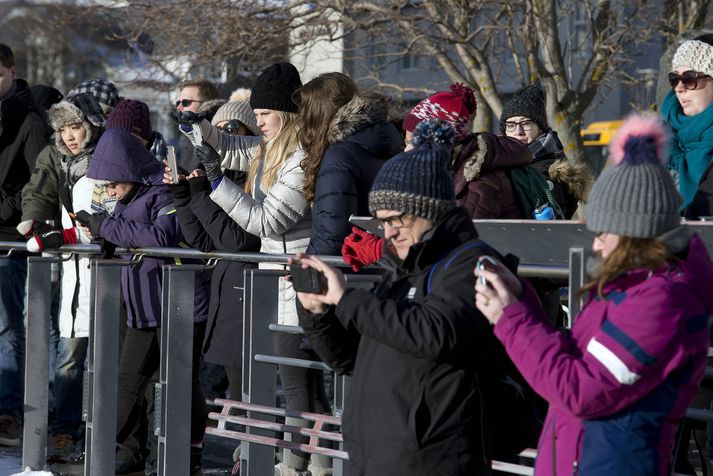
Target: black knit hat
x=528 y=101
x=274 y=88
x=418 y=182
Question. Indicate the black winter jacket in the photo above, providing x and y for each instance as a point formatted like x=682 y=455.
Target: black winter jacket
x=361 y=140
x=420 y=361
x=23 y=134
x=207 y=227
x=702 y=203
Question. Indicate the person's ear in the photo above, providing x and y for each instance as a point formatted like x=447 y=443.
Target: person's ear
x=13 y=72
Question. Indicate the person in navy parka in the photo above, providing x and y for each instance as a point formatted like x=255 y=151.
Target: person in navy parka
x=144 y=216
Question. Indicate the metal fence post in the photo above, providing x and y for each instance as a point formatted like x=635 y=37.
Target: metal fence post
x=100 y=379
x=37 y=343
x=260 y=310
x=173 y=397
x=577 y=279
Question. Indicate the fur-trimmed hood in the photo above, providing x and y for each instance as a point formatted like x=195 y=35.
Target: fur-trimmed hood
x=577 y=177
x=362 y=111
x=484 y=151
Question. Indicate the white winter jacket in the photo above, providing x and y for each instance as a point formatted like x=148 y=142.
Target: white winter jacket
x=282 y=219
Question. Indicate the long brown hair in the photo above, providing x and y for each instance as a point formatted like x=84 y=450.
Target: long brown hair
x=630 y=253
x=319 y=101
x=274 y=152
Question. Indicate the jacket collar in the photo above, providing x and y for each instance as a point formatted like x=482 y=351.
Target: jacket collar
x=362 y=111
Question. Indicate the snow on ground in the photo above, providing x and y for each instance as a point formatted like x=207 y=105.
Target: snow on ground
x=29 y=472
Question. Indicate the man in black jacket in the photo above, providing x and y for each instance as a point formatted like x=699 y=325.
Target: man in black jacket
x=415 y=346
x=23 y=134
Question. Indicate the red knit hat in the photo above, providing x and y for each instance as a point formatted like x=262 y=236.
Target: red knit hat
x=457 y=106
x=133 y=116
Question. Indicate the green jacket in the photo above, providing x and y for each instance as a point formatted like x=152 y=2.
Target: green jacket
x=40 y=200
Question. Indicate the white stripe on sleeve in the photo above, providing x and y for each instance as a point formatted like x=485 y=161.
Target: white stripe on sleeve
x=612 y=363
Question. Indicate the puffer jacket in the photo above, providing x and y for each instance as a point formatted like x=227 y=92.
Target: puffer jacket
x=420 y=357
x=147 y=219
x=620 y=383
x=480 y=162
x=360 y=141
x=570 y=182
x=23 y=134
x=281 y=218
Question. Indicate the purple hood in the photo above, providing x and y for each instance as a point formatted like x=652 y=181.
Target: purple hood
x=120 y=157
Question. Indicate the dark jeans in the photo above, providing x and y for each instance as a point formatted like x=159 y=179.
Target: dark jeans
x=71 y=363
x=304 y=388
x=13 y=275
x=138 y=371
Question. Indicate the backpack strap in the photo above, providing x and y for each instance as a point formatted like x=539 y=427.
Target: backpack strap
x=464 y=247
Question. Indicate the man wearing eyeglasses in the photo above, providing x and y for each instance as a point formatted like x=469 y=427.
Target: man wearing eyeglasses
x=194 y=93
x=421 y=358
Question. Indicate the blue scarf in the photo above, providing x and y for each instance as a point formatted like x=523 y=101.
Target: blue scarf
x=691 y=146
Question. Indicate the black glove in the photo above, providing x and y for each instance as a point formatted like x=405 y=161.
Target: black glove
x=91 y=221
x=210 y=160
x=199 y=186
x=188 y=118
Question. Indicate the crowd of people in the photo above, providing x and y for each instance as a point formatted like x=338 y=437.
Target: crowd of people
x=450 y=332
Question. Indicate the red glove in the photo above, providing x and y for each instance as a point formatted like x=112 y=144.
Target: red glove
x=361 y=248
x=52 y=239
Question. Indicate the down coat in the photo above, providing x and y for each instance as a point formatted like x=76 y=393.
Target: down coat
x=620 y=383
x=280 y=216
x=481 y=162
x=360 y=141
x=206 y=227
x=420 y=357
x=147 y=219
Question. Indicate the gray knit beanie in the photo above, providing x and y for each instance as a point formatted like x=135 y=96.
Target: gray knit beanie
x=528 y=101
x=238 y=107
x=635 y=196
x=418 y=182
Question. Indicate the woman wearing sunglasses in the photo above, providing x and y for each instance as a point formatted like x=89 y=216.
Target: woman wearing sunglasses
x=687 y=110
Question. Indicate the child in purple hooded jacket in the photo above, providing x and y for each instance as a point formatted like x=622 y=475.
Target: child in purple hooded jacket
x=144 y=216
x=619 y=385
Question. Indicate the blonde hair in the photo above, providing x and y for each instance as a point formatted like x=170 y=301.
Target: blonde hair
x=275 y=152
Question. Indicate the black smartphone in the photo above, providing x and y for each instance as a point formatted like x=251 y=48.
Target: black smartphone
x=307 y=280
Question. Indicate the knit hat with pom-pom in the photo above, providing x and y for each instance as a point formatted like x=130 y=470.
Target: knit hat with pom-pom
x=635 y=196
x=418 y=182
x=457 y=106
x=238 y=107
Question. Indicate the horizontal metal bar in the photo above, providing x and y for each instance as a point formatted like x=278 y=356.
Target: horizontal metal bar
x=527 y=270
x=275 y=442
x=305 y=364
x=252 y=407
x=513 y=468
x=286 y=329
x=699 y=414
x=278 y=427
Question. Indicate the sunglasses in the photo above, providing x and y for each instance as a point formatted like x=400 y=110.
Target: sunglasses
x=231 y=127
x=689 y=79
x=185 y=102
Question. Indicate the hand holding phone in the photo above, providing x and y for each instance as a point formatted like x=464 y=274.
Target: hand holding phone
x=172 y=164
x=482 y=265
x=307 y=280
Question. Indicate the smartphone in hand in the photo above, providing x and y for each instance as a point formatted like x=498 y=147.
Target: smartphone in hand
x=491 y=263
x=197 y=134
x=307 y=280
x=172 y=164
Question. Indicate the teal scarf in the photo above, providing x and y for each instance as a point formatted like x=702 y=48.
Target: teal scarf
x=691 y=146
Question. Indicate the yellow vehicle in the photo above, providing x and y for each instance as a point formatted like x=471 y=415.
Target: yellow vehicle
x=596 y=137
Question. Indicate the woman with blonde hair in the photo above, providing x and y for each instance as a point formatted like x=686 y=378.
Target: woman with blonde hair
x=273 y=207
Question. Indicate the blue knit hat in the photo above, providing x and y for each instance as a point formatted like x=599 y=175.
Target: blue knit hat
x=418 y=182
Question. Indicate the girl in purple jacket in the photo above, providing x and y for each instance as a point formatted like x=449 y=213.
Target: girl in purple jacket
x=620 y=383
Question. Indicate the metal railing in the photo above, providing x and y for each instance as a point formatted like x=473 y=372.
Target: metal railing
x=173 y=391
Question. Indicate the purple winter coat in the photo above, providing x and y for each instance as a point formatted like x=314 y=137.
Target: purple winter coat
x=147 y=220
x=620 y=383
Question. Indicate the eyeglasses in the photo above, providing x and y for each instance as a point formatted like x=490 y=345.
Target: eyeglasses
x=231 y=127
x=186 y=102
x=689 y=79
x=526 y=126
x=395 y=221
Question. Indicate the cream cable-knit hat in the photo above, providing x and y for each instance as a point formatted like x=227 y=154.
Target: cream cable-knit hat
x=694 y=54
